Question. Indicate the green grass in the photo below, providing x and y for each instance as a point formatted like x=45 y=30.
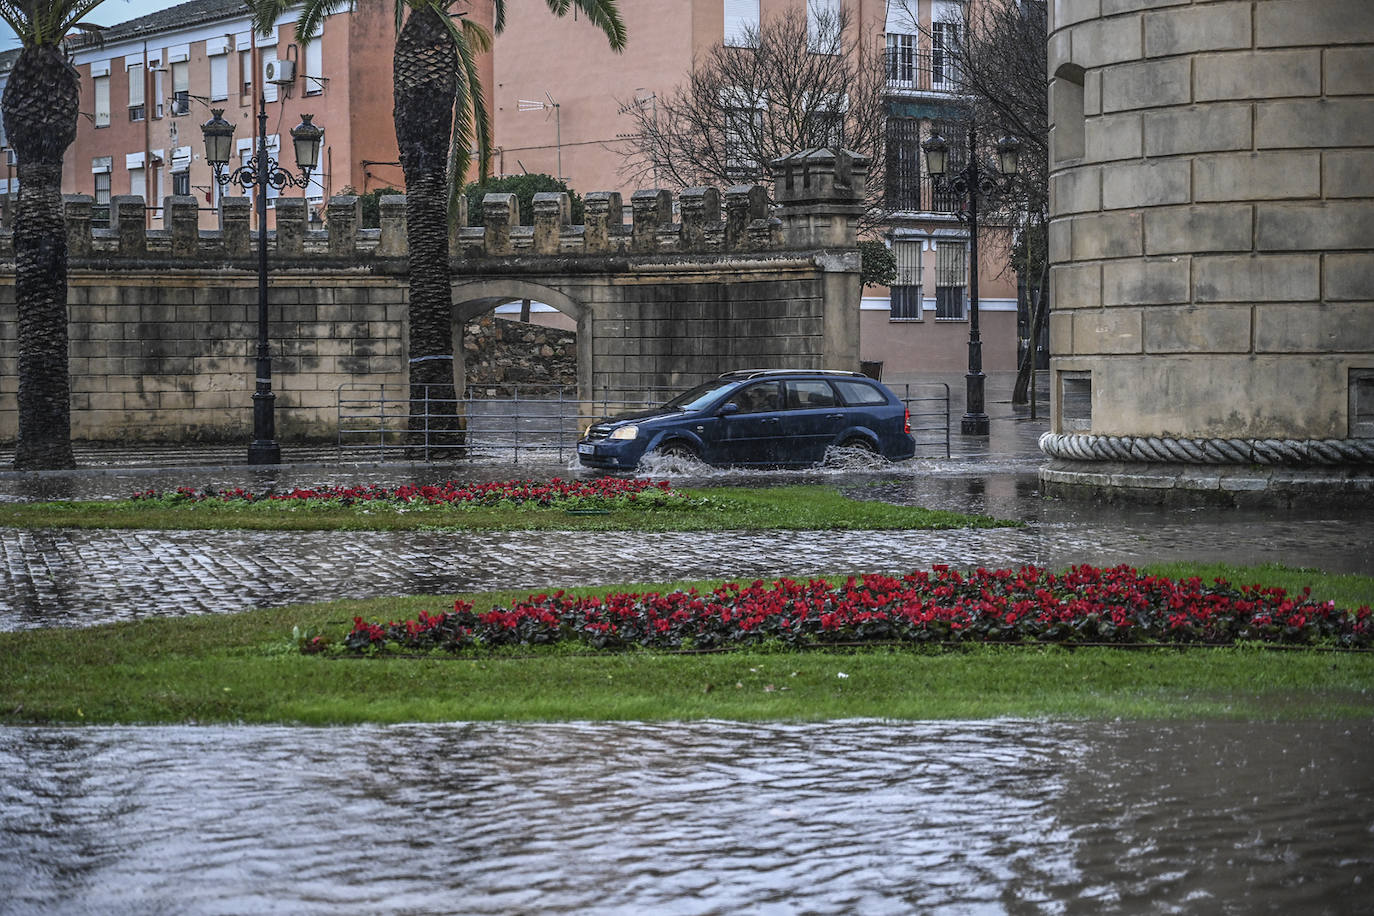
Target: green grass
x=243 y=668
x=722 y=508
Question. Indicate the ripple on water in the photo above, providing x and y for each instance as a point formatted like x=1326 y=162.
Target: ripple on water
x=705 y=817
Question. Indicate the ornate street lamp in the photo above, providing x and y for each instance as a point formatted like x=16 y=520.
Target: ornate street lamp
x=262 y=172
x=969 y=184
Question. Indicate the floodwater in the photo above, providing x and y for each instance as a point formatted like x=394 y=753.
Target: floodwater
x=1012 y=816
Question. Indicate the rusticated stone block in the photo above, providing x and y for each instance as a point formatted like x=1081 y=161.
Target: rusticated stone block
x=1257 y=75
x=291 y=222
x=1106 y=331
x=1272 y=278
x=1314 y=123
x=1146 y=184
x=651 y=210
x=1182 y=230
x=233 y=225
x=77 y=214
x=128 y=217
x=552 y=211
x=1145 y=282
x=1151 y=84
x=1193 y=329
x=1349 y=275
x=1107 y=235
x=1280 y=23
x=1205 y=27
x=391 y=209
x=700 y=211
x=181 y=215
x=1197 y=129
x=604 y=216
x=1326 y=226
x=1269 y=175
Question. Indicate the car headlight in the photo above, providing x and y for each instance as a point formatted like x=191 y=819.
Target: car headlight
x=587 y=433
x=625 y=432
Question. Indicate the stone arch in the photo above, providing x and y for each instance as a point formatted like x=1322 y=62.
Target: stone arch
x=472 y=298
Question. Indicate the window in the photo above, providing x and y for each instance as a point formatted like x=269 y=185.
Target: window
x=901 y=61
x=825 y=114
x=181 y=88
x=741 y=23
x=906 y=287
x=759 y=398
x=246 y=72
x=1066 y=113
x=219 y=77
x=944 y=38
x=1075 y=401
x=269 y=90
x=809 y=395
x=951 y=267
x=1361 y=386
x=742 y=124
x=181 y=184
x=945 y=200
x=100 y=210
x=313 y=75
x=136 y=107
x=102 y=101
x=823 y=27
x=857 y=393
x=138 y=183
x=902 y=155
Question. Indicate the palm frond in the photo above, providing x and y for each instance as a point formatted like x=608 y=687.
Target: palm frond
x=39 y=24
x=470 y=40
x=499 y=17
x=265 y=13
x=604 y=14
x=312 y=17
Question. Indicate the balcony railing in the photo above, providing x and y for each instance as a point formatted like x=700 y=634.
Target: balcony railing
x=920 y=196
x=920 y=70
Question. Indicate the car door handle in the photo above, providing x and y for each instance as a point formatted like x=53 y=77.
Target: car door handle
x=834 y=416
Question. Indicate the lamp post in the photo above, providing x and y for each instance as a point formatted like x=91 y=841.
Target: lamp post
x=969 y=183
x=262 y=172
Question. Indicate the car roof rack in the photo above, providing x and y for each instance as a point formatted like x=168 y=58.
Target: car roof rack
x=759 y=373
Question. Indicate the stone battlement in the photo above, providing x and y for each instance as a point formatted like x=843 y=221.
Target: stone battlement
x=817 y=201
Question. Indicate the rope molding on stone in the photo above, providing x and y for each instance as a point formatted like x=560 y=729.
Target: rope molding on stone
x=1208 y=451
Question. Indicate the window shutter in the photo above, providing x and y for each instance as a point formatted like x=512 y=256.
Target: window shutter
x=219 y=77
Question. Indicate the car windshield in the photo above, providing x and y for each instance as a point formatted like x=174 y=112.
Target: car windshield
x=700 y=396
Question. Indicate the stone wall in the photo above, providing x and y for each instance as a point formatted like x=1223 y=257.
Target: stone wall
x=1212 y=234
x=163 y=323
x=501 y=353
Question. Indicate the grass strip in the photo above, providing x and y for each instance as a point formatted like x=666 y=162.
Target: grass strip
x=245 y=668
x=713 y=509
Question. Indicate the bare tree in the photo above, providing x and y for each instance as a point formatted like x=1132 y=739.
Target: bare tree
x=792 y=84
x=999 y=65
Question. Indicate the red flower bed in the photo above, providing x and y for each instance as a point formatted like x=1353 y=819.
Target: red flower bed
x=451 y=493
x=1084 y=605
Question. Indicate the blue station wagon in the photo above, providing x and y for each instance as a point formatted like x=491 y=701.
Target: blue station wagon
x=766 y=417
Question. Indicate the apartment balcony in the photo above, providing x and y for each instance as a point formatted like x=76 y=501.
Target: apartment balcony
x=916 y=71
x=919 y=196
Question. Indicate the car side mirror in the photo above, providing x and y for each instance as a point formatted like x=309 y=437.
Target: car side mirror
x=729 y=408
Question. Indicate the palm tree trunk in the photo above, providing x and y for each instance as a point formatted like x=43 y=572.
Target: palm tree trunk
x=425 y=67
x=40 y=106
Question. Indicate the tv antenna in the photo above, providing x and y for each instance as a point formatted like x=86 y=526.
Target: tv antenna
x=550 y=105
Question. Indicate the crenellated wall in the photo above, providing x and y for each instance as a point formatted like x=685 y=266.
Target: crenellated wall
x=163 y=322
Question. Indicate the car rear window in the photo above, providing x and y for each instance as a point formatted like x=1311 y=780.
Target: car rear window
x=806 y=394
x=856 y=393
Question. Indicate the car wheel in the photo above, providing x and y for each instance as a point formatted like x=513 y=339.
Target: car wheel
x=862 y=445
x=680 y=450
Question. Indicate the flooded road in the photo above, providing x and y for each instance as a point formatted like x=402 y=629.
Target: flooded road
x=703 y=817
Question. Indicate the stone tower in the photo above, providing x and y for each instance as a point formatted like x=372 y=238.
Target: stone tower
x=1212 y=235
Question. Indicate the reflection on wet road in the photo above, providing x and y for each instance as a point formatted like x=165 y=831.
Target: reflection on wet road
x=702 y=817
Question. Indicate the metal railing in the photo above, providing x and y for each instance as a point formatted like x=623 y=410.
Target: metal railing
x=534 y=422
x=921 y=69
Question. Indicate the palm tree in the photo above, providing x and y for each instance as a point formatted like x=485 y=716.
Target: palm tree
x=40 y=108
x=439 y=113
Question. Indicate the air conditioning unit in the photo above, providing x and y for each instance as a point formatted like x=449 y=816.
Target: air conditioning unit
x=279 y=71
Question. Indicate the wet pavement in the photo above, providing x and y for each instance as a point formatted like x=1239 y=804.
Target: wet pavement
x=1001 y=817
x=71 y=577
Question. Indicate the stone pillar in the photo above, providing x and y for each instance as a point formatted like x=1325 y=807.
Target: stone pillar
x=1212 y=247
x=233 y=226
x=499 y=213
x=182 y=217
x=392 y=218
x=455 y=230
x=291 y=222
x=552 y=211
x=128 y=216
x=603 y=212
x=77 y=214
x=343 y=216
x=744 y=203
x=820 y=194
x=700 y=211
x=651 y=210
